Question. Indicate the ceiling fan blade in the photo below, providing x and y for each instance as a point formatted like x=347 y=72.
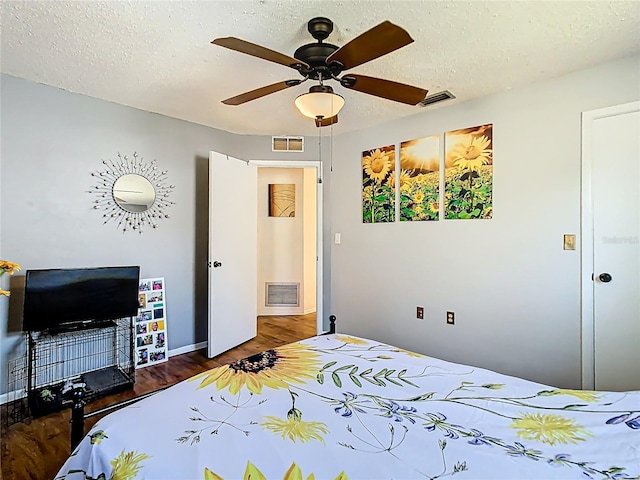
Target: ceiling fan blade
x=325 y=122
x=260 y=92
x=398 y=92
x=374 y=43
x=249 y=48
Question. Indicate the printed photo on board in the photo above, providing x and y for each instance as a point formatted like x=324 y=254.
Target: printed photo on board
x=145 y=340
x=143 y=356
x=155 y=297
x=156 y=356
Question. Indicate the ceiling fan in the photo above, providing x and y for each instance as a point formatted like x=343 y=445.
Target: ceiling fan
x=323 y=61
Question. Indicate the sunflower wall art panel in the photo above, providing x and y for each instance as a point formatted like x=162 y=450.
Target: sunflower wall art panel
x=419 y=179
x=378 y=185
x=468 y=189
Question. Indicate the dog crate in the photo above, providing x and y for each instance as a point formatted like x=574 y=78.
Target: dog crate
x=101 y=358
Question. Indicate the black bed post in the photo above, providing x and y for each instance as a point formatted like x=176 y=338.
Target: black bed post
x=332 y=324
x=77 y=418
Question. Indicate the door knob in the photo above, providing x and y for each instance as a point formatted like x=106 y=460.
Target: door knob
x=217 y=264
x=604 y=277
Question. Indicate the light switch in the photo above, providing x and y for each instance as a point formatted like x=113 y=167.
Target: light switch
x=337 y=238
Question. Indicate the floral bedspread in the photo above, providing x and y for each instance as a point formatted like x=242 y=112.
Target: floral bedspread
x=342 y=407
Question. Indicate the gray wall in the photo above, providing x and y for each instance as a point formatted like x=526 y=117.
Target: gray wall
x=51 y=141
x=515 y=291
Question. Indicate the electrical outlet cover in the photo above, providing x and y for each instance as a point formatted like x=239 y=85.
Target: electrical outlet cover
x=451 y=318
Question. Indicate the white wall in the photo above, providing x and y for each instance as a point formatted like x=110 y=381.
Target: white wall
x=280 y=239
x=309 y=238
x=287 y=246
x=515 y=291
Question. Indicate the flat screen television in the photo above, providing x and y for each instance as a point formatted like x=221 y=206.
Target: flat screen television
x=67 y=299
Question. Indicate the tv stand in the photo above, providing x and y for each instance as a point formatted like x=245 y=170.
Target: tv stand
x=98 y=355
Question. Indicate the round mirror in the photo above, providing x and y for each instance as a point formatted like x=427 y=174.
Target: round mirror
x=134 y=193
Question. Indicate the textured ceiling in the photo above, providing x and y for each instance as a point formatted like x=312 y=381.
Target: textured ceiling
x=157 y=55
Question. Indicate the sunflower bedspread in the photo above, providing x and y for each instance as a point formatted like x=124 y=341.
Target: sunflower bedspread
x=342 y=407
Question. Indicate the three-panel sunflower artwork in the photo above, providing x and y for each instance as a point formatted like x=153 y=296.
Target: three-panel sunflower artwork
x=425 y=182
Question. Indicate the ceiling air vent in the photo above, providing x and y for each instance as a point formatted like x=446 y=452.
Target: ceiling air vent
x=287 y=144
x=437 y=97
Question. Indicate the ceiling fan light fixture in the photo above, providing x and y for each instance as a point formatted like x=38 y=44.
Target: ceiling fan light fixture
x=319 y=102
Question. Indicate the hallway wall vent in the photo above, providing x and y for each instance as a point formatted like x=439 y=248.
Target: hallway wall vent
x=282 y=294
x=287 y=144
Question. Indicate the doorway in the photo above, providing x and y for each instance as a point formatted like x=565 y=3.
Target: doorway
x=287 y=243
x=611 y=248
x=232 y=299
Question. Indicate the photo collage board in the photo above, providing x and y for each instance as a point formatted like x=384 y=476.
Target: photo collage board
x=151 y=323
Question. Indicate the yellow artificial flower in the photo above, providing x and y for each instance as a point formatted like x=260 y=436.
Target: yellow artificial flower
x=253 y=473
x=377 y=165
x=276 y=368
x=10 y=268
x=295 y=428
x=548 y=428
x=584 y=395
x=126 y=465
x=351 y=340
x=472 y=154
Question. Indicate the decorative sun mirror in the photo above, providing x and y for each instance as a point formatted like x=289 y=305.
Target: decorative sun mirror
x=132 y=193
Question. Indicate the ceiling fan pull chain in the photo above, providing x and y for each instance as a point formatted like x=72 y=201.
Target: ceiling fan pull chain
x=320 y=153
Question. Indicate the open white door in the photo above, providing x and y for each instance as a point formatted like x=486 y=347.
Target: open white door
x=611 y=257
x=233 y=246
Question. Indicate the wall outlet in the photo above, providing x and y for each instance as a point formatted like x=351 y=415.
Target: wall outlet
x=451 y=318
x=420 y=313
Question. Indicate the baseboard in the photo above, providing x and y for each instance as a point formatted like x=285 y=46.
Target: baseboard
x=309 y=310
x=188 y=348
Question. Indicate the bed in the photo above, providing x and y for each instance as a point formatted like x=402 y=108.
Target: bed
x=344 y=407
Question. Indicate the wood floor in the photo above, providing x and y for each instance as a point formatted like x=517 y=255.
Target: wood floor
x=36 y=449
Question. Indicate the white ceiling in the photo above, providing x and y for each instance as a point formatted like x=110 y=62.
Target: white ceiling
x=157 y=55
